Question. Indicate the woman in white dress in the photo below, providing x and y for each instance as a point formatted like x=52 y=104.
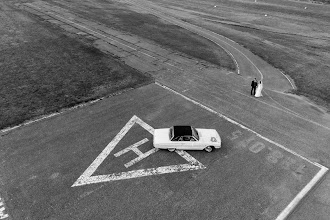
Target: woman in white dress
x=258 y=90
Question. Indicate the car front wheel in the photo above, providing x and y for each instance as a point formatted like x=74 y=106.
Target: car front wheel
x=208 y=149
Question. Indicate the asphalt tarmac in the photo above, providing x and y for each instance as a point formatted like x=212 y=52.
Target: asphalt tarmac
x=250 y=177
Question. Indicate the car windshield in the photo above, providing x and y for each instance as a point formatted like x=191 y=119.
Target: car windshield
x=171 y=133
x=195 y=133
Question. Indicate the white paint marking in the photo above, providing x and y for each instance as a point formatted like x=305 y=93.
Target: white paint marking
x=96 y=163
x=138 y=173
x=3 y=215
x=174 y=66
x=293 y=204
x=141 y=157
x=289 y=112
x=287 y=79
x=87 y=178
x=189 y=158
x=135 y=149
x=240 y=125
x=232 y=56
x=147 y=54
x=61 y=111
x=207 y=33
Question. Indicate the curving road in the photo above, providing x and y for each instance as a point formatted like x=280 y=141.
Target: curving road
x=275 y=104
x=247 y=63
x=279 y=116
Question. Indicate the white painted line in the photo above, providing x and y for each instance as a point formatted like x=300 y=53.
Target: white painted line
x=240 y=125
x=207 y=33
x=189 y=158
x=323 y=170
x=133 y=147
x=147 y=54
x=174 y=66
x=61 y=112
x=100 y=158
x=286 y=111
x=230 y=54
x=287 y=79
x=30 y=122
x=139 y=173
x=3 y=214
x=293 y=204
x=141 y=157
x=87 y=178
x=144 y=125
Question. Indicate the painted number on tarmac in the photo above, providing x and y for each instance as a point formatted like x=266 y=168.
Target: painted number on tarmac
x=273 y=157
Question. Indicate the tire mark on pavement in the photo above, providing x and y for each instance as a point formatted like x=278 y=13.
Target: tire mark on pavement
x=288 y=112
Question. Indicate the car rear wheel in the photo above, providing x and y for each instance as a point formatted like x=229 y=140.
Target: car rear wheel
x=209 y=149
x=171 y=149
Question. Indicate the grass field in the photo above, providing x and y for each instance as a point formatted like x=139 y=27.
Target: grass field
x=291 y=38
x=303 y=63
x=147 y=26
x=43 y=70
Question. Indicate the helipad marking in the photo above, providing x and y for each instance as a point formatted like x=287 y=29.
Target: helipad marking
x=135 y=149
x=3 y=214
x=87 y=178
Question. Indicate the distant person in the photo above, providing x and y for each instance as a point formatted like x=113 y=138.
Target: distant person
x=259 y=89
x=254 y=85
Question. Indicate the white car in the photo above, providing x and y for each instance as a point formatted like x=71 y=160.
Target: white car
x=186 y=138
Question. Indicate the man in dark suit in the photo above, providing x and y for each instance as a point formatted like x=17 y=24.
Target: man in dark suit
x=254 y=85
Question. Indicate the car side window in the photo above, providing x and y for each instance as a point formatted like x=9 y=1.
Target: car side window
x=176 y=138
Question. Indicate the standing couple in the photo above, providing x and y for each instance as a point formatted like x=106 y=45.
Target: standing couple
x=256 y=88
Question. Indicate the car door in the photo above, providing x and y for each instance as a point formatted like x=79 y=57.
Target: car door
x=196 y=145
x=184 y=143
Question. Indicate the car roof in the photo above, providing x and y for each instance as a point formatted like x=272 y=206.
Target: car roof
x=181 y=130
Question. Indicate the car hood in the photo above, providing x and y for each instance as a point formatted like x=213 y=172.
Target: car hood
x=162 y=135
x=208 y=135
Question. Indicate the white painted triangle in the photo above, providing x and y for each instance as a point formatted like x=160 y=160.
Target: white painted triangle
x=87 y=178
